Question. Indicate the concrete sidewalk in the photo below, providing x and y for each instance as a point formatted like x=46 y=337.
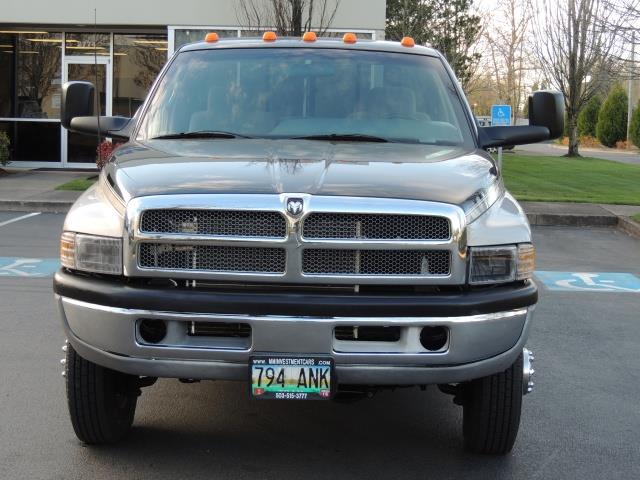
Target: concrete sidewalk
x=34 y=191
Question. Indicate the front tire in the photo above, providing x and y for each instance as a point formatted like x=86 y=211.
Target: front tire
x=491 y=415
x=102 y=402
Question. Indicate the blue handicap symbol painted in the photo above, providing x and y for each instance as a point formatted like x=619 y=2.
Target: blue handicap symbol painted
x=28 y=267
x=589 y=282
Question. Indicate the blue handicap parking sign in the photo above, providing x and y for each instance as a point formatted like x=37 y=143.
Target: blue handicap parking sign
x=28 y=267
x=500 y=115
x=589 y=282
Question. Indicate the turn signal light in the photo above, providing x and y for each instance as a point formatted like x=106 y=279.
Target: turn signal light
x=309 y=37
x=407 y=42
x=211 y=37
x=349 y=38
x=526 y=261
x=68 y=250
x=269 y=37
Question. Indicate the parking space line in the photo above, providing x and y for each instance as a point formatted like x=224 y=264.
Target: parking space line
x=23 y=217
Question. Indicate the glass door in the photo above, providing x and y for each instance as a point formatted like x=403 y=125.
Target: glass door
x=80 y=150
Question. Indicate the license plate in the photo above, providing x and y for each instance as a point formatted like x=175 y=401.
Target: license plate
x=291 y=378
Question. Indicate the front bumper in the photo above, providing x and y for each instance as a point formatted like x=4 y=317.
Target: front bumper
x=480 y=342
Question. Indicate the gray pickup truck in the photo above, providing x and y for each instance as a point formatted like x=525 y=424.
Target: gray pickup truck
x=308 y=216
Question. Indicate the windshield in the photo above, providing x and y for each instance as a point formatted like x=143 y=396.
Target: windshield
x=308 y=92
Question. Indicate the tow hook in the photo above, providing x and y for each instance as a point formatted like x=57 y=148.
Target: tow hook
x=527 y=371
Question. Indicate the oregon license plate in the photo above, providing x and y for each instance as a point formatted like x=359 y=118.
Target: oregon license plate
x=291 y=378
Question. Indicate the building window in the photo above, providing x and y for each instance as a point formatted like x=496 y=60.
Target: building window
x=84 y=44
x=184 y=36
x=33 y=141
x=30 y=75
x=137 y=60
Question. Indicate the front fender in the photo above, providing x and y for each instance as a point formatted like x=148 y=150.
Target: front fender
x=504 y=223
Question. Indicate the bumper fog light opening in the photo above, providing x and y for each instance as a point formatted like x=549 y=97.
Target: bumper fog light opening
x=434 y=338
x=152 y=331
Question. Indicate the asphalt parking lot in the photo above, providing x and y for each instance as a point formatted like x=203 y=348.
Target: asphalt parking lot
x=582 y=421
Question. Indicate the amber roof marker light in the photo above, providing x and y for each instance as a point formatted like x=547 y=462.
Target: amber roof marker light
x=349 y=38
x=269 y=37
x=211 y=37
x=407 y=42
x=309 y=37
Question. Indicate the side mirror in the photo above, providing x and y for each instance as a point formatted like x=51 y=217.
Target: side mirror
x=546 y=122
x=77 y=113
x=77 y=101
x=546 y=109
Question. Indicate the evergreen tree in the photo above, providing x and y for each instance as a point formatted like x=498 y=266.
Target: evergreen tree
x=634 y=129
x=612 y=119
x=447 y=25
x=588 y=117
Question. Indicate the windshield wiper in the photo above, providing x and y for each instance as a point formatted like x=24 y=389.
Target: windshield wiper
x=199 y=134
x=344 y=137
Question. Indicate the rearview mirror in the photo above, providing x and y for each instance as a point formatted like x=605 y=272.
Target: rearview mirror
x=77 y=101
x=546 y=122
x=77 y=113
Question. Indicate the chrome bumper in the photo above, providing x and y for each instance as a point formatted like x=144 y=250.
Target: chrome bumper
x=479 y=345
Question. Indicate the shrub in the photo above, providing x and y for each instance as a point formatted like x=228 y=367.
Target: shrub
x=588 y=118
x=634 y=129
x=4 y=149
x=103 y=152
x=612 y=119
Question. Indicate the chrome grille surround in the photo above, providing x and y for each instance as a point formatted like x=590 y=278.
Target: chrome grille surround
x=385 y=253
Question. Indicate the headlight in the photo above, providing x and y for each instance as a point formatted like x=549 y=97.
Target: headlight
x=91 y=253
x=501 y=264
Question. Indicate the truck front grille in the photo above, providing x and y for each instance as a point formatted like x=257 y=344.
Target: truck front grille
x=320 y=226
x=169 y=256
x=220 y=223
x=333 y=241
x=375 y=262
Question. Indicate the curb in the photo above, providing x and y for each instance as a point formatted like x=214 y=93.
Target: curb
x=35 y=206
x=629 y=226
x=572 y=220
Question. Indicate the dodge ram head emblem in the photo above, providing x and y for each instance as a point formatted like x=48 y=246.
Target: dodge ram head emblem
x=295 y=206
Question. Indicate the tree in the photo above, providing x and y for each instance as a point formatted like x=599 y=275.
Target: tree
x=588 y=118
x=36 y=71
x=508 y=41
x=449 y=26
x=288 y=17
x=634 y=130
x=612 y=120
x=408 y=18
x=577 y=44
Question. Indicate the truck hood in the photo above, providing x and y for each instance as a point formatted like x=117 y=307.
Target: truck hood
x=257 y=166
